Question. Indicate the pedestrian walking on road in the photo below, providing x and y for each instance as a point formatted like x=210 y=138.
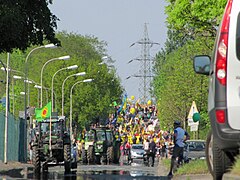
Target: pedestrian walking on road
x=179 y=137
x=152 y=151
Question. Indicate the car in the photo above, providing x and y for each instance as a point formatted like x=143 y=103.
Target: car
x=194 y=149
x=222 y=145
x=137 y=151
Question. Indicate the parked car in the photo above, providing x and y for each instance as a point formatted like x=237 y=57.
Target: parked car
x=137 y=151
x=222 y=145
x=194 y=149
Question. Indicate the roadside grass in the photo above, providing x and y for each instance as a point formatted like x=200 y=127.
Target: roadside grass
x=193 y=167
x=236 y=168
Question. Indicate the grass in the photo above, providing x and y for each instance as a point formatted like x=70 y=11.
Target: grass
x=193 y=167
x=236 y=168
x=200 y=167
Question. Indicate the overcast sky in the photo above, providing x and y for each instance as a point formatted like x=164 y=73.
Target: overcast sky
x=120 y=23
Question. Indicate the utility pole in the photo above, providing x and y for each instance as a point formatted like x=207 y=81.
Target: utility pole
x=146 y=64
x=6 y=112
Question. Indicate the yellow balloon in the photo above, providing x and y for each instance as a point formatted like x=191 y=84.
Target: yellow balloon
x=132 y=110
x=149 y=102
x=132 y=97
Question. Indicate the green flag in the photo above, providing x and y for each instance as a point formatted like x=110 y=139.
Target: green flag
x=45 y=112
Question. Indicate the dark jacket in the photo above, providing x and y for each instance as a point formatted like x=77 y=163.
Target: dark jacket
x=152 y=147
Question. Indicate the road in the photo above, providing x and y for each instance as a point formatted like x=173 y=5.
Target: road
x=137 y=170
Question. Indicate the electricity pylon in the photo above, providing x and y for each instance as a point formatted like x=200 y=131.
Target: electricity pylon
x=146 y=65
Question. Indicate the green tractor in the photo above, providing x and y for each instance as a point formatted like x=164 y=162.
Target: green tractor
x=88 y=141
x=51 y=145
x=105 y=149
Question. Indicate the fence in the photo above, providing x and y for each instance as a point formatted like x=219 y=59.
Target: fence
x=17 y=139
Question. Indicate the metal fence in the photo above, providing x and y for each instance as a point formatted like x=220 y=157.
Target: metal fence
x=17 y=139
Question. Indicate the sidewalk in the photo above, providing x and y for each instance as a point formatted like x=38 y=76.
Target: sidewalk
x=14 y=169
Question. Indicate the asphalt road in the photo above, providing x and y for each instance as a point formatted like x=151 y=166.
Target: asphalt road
x=137 y=171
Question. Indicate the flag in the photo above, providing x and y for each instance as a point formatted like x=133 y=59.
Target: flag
x=43 y=113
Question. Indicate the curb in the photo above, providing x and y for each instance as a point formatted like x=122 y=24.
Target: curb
x=231 y=176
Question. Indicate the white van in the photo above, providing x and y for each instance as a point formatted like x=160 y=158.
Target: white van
x=223 y=69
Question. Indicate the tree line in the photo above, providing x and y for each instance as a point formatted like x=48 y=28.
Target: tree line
x=192 y=27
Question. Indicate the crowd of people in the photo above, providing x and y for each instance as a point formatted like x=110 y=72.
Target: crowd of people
x=139 y=124
x=135 y=123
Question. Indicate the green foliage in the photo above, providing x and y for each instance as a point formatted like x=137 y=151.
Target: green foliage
x=90 y=100
x=193 y=167
x=198 y=166
x=236 y=168
x=194 y=18
x=24 y=23
x=192 y=27
x=176 y=85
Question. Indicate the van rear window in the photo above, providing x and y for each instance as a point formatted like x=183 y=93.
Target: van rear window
x=238 y=37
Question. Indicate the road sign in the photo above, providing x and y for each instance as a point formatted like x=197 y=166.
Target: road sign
x=193 y=110
x=194 y=127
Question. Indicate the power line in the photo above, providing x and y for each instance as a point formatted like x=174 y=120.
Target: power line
x=146 y=64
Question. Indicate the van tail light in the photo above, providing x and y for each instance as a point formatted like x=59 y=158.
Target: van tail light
x=220 y=116
x=222 y=47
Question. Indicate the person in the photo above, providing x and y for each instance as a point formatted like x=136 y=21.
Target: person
x=152 y=151
x=30 y=152
x=146 y=151
x=179 y=137
x=128 y=151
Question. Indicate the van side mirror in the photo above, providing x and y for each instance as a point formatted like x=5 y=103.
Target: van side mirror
x=201 y=64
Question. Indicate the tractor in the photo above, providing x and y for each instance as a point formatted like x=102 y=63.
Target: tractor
x=51 y=145
x=88 y=141
x=105 y=149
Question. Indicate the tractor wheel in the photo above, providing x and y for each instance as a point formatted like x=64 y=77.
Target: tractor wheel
x=67 y=158
x=36 y=162
x=84 y=156
x=110 y=155
x=90 y=154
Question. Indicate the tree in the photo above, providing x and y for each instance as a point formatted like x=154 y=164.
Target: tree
x=194 y=18
x=24 y=23
x=90 y=100
x=176 y=85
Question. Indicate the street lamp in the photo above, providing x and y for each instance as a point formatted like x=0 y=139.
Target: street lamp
x=26 y=67
x=66 y=68
x=83 y=81
x=25 y=81
x=25 y=89
x=78 y=74
x=53 y=59
x=22 y=93
x=39 y=88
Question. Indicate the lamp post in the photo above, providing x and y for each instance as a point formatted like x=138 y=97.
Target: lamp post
x=38 y=88
x=28 y=91
x=66 y=68
x=83 y=81
x=26 y=66
x=25 y=89
x=78 y=74
x=53 y=59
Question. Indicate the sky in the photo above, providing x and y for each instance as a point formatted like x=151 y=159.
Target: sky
x=120 y=23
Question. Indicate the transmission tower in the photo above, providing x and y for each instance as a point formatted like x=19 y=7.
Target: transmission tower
x=146 y=64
